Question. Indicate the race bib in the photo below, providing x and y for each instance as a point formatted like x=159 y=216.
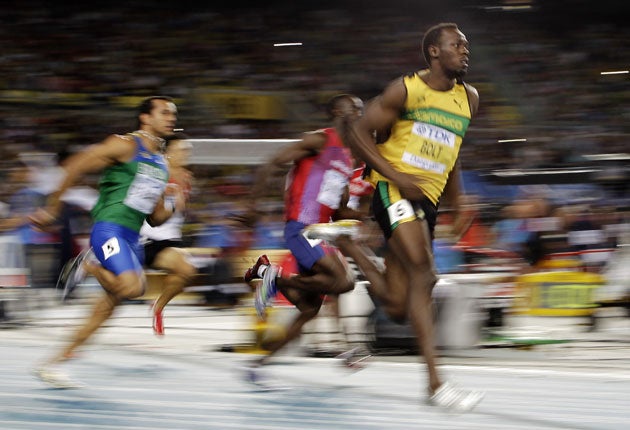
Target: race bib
x=144 y=192
x=111 y=247
x=399 y=211
x=331 y=189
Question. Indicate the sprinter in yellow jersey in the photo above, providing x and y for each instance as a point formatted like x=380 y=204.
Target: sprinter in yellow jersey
x=425 y=115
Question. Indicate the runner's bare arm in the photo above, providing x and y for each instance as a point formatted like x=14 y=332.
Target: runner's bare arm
x=452 y=198
x=379 y=116
x=345 y=212
x=473 y=97
x=308 y=146
x=166 y=206
x=93 y=159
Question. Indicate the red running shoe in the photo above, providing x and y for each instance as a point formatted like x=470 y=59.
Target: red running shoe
x=252 y=272
x=158 y=323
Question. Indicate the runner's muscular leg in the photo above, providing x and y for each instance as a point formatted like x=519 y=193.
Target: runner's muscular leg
x=411 y=243
x=389 y=288
x=349 y=248
x=102 y=310
x=181 y=272
x=127 y=285
x=396 y=303
x=330 y=276
x=308 y=304
x=119 y=252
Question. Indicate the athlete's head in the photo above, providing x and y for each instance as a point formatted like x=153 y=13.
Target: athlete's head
x=158 y=115
x=344 y=106
x=444 y=46
x=177 y=149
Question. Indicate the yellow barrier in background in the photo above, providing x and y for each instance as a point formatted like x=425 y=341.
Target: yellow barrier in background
x=559 y=293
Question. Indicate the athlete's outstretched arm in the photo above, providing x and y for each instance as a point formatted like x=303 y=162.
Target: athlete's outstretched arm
x=166 y=206
x=452 y=195
x=310 y=145
x=93 y=159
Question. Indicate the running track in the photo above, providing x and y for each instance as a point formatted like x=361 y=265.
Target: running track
x=134 y=381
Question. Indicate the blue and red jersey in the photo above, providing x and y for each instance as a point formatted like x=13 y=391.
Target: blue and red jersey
x=316 y=184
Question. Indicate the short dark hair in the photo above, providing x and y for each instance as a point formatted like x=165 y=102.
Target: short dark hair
x=146 y=105
x=333 y=103
x=178 y=135
x=432 y=37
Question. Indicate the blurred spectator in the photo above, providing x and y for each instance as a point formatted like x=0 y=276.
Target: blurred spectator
x=269 y=231
x=62 y=74
x=510 y=232
x=40 y=247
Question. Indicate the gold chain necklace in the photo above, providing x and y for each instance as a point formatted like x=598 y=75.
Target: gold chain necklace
x=151 y=137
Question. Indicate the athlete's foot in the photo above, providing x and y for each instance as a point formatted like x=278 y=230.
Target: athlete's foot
x=82 y=265
x=454 y=398
x=257 y=270
x=256 y=376
x=51 y=375
x=351 y=360
x=70 y=356
x=330 y=231
x=253 y=374
x=266 y=290
x=158 y=321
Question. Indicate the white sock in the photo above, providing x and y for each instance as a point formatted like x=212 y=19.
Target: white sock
x=262 y=269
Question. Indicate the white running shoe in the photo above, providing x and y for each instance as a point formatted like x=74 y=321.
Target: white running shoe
x=329 y=231
x=266 y=290
x=352 y=360
x=454 y=398
x=255 y=376
x=55 y=378
x=75 y=274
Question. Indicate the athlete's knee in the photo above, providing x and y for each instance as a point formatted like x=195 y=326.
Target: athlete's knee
x=423 y=272
x=349 y=284
x=106 y=306
x=428 y=278
x=187 y=272
x=342 y=281
x=131 y=287
x=175 y=263
x=308 y=304
x=396 y=310
x=310 y=311
x=344 y=285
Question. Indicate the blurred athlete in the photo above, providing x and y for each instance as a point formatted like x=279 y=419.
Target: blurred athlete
x=132 y=189
x=316 y=192
x=425 y=116
x=163 y=244
x=359 y=197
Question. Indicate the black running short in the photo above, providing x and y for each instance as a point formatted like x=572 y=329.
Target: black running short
x=153 y=247
x=391 y=209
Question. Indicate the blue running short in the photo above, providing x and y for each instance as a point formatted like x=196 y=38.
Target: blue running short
x=117 y=248
x=306 y=253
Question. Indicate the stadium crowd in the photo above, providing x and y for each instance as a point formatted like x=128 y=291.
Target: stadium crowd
x=71 y=73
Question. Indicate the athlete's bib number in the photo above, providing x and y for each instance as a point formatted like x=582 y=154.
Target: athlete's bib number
x=403 y=210
x=331 y=189
x=110 y=248
x=399 y=211
x=144 y=192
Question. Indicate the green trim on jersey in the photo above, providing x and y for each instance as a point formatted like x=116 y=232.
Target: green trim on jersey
x=449 y=121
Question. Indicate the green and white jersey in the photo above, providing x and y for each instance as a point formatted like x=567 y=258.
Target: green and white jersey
x=128 y=192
